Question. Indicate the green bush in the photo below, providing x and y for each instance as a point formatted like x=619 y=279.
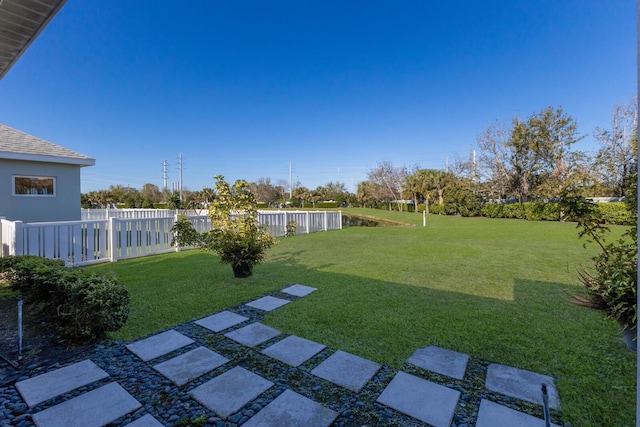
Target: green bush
x=81 y=305
x=540 y=211
x=30 y=275
x=611 y=213
x=436 y=209
x=326 y=205
x=615 y=213
x=88 y=305
x=460 y=200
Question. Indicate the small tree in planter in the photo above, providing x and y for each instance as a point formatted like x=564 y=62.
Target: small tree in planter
x=236 y=236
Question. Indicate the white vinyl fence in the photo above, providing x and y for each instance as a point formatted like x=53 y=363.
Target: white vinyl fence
x=121 y=234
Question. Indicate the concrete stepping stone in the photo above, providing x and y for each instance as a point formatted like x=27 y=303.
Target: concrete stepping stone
x=268 y=303
x=227 y=393
x=299 y=290
x=293 y=350
x=425 y=400
x=92 y=409
x=346 y=370
x=441 y=361
x=494 y=415
x=221 y=321
x=146 y=421
x=521 y=384
x=46 y=386
x=253 y=334
x=292 y=409
x=159 y=345
x=189 y=366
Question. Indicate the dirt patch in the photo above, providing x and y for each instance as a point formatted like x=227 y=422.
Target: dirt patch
x=40 y=346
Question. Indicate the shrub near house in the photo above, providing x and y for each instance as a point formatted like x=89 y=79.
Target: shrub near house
x=81 y=305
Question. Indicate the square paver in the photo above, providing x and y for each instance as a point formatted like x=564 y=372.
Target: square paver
x=299 y=290
x=253 y=334
x=227 y=393
x=46 y=386
x=346 y=370
x=292 y=409
x=159 y=345
x=221 y=321
x=189 y=366
x=521 y=384
x=293 y=350
x=494 y=415
x=268 y=303
x=146 y=421
x=440 y=360
x=425 y=400
x=92 y=409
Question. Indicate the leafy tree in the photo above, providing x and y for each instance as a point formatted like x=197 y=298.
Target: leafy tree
x=174 y=201
x=264 y=191
x=460 y=199
x=151 y=193
x=616 y=160
x=415 y=187
x=316 y=195
x=365 y=194
x=425 y=182
x=532 y=159
x=335 y=191
x=301 y=195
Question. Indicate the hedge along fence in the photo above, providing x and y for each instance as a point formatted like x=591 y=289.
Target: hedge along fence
x=81 y=305
x=613 y=213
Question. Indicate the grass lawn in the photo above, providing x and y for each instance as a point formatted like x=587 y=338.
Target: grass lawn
x=495 y=289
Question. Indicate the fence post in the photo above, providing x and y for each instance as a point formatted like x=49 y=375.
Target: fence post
x=326 y=225
x=340 y=219
x=308 y=224
x=175 y=220
x=113 y=249
x=18 y=239
x=286 y=223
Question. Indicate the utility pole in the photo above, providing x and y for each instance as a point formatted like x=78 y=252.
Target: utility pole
x=164 y=175
x=290 y=182
x=180 y=159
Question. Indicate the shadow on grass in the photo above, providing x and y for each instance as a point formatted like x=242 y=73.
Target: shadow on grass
x=536 y=328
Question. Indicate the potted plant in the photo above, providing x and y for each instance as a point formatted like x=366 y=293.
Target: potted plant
x=235 y=236
x=611 y=283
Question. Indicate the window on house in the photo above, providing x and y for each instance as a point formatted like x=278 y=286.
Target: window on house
x=34 y=186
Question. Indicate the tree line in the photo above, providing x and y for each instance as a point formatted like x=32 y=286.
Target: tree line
x=531 y=159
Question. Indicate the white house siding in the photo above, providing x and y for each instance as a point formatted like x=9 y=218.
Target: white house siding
x=63 y=206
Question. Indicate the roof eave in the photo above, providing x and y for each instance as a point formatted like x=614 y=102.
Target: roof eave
x=36 y=33
x=87 y=161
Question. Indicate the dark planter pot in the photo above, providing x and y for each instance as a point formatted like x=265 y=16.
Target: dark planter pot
x=242 y=270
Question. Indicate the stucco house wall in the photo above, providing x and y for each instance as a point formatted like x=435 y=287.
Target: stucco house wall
x=24 y=157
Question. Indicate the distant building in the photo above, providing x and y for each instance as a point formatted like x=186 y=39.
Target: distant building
x=39 y=181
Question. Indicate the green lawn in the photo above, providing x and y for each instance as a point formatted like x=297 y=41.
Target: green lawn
x=493 y=288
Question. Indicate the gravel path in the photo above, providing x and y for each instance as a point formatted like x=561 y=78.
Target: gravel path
x=173 y=406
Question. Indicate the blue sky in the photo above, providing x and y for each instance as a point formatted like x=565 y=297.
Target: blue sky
x=243 y=88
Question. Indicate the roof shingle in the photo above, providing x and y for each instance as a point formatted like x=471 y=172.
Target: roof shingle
x=18 y=145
